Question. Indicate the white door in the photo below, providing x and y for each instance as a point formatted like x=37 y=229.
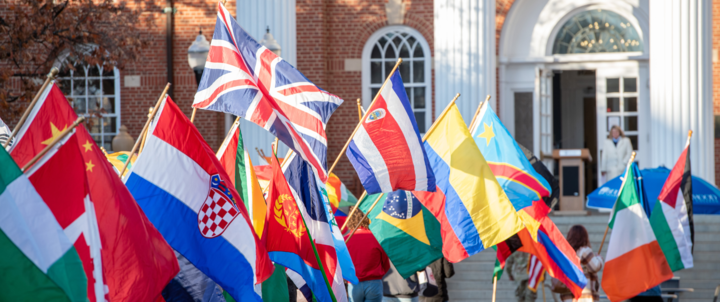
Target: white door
x=543 y=111
x=621 y=100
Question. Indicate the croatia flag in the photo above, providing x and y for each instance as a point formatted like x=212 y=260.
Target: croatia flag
x=386 y=150
x=188 y=196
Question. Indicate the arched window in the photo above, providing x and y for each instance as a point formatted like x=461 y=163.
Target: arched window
x=94 y=92
x=597 y=31
x=379 y=56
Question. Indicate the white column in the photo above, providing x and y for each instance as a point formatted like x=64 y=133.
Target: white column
x=464 y=53
x=681 y=83
x=255 y=16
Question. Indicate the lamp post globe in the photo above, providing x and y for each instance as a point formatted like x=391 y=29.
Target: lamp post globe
x=269 y=42
x=197 y=55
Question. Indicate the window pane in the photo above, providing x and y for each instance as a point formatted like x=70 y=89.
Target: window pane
x=388 y=67
x=93 y=87
x=93 y=71
x=108 y=142
x=390 y=52
x=66 y=86
x=405 y=71
x=418 y=72
x=613 y=104
x=411 y=41
x=408 y=92
x=94 y=125
x=419 y=100
x=630 y=84
x=397 y=40
x=634 y=141
x=98 y=140
x=108 y=104
x=631 y=104
x=404 y=51
x=110 y=124
x=79 y=105
x=94 y=104
x=79 y=86
x=108 y=71
x=376 y=54
x=376 y=72
x=418 y=51
x=420 y=119
x=613 y=85
x=382 y=41
x=631 y=123
x=596 y=31
x=108 y=86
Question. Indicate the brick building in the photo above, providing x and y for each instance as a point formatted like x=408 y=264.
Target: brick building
x=551 y=89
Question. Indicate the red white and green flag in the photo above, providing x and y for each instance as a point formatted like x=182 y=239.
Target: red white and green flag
x=634 y=261
x=672 y=216
x=38 y=260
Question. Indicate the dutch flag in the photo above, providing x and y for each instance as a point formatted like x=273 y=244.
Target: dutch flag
x=184 y=191
x=386 y=150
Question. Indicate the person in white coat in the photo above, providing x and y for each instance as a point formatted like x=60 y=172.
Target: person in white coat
x=616 y=152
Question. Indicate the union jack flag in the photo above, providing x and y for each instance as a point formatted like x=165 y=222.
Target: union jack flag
x=246 y=79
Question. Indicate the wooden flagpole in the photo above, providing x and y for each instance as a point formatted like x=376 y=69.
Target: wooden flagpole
x=142 y=145
x=632 y=158
x=192 y=117
x=494 y=287
x=477 y=112
x=145 y=128
x=399 y=61
x=227 y=137
x=424 y=138
x=363 y=218
x=50 y=76
x=360 y=110
x=53 y=142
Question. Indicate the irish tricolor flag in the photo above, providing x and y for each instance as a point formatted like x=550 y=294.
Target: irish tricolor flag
x=634 y=261
x=671 y=218
x=37 y=260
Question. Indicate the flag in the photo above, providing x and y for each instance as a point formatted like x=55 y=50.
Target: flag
x=386 y=149
x=237 y=163
x=536 y=273
x=406 y=230
x=292 y=243
x=343 y=254
x=307 y=193
x=128 y=244
x=301 y=285
x=634 y=261
x=474 y=211
x=521 y=183
x=338 y=193
x=118 y=160
x=39 y=262
x=183 y=189
x=191 y=285
x=503 y=250
x=246 y=79
x=498 y=268
x=672 y=216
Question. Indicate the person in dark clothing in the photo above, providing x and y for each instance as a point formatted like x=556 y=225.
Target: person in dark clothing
x=540 y=168
x=441 y=269
x=397 y=289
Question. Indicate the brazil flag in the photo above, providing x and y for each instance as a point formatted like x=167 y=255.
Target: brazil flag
x=407 y=231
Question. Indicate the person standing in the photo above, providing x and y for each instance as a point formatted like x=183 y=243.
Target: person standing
x=516 y=269
x=371 y=262
x=578 y=238
x=441 y=270
x=616 y=152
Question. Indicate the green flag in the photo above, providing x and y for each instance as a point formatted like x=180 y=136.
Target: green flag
x=407 y=231
x=498 y=269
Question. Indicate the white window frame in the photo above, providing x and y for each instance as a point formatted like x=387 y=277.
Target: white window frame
x=117 y=114
x=367 y=50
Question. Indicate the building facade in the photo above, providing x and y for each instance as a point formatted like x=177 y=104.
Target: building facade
x=560 y=72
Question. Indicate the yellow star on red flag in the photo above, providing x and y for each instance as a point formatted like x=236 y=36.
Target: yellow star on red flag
x=87 y=146
x=89 y=166
x=55 y=133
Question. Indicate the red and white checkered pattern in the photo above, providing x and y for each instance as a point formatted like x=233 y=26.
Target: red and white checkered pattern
x=216 y=214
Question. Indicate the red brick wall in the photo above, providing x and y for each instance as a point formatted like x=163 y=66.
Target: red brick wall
x=330 y=31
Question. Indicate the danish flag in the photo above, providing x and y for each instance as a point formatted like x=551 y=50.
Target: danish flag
x=246 y=79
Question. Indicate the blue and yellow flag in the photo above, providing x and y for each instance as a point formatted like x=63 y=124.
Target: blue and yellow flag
x=476 y=208
x=507 y=161
x=406 y=230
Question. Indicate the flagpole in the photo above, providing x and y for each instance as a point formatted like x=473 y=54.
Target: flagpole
x=477 y=112
x=632 y=158
x=50 y=76
x=54 y=141
x=360 y=110
x=360 y=123
x=494 y=287
x=312 y=243
x=145 y=128
x=144 y=137
x=432 y=127
x=543 y=286
x=364 y=216
x=192 y=117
